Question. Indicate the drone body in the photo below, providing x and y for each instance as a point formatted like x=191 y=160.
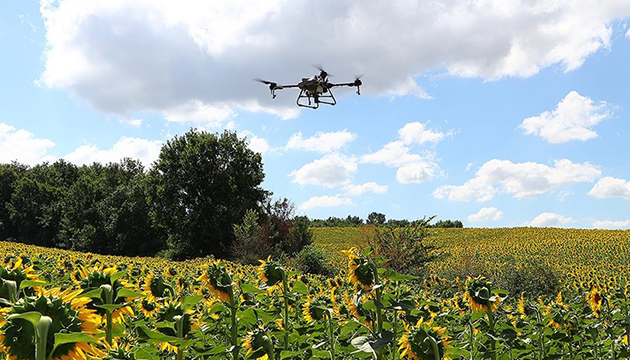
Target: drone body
x=314 y=90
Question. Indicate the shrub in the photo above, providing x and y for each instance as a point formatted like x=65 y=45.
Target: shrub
x=533 y=278
x=249 y=245
x=313 y=260
x=403 y=247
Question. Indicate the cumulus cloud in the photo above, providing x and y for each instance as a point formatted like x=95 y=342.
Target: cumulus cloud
x=356 y=190
x=486 y=214
x=321 y=142
x=325 y=201
x=199 y=113
x=159 y=55
x=144 y=150
x=610 y=187
x=521 y=180
x=572 y=119
x=417 y=133
x=548 y=219
x=329 y=171
x=412 y=168
x=22 y=146
x=611 y=224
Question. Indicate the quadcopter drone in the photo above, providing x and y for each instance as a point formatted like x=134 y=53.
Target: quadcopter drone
x=314 y=90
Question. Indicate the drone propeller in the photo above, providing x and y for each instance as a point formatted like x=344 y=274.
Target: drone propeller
x=357 y=80
x=323 y=73
x=272 y=85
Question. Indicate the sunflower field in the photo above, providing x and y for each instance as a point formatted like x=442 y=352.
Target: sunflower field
x=57 y=304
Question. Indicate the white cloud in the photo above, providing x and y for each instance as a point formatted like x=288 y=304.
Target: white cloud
x=156 y=55
x=355 y=190
x=610 y=187
x=417 y=172
x=23 y=146
x=611 y=224
x=417 y=133
x=144 y=150
x=563 y=194
x=199 y=113
x=547 y=219
x=519 y=179
x=469 y=166
x=628 y=34
x=572 y=119
x=255 y=143
x=486 y=214
x=321 y=142
x=393 y=154
x=326 y=201
x=329 y=171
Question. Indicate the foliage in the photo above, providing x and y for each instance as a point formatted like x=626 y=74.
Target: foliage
x=284 y=232
x=375 y=218
x=334 y=221
x=200 y=186
x=313 y=260
x=447 y=224
x=403 y=248
x=249 y=244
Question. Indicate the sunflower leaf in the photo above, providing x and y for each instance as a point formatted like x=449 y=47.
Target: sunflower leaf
x=69 y=338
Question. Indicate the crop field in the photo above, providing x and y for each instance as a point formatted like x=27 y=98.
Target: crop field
x=57 y=304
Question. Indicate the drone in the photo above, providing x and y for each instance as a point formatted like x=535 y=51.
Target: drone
x=314 y=90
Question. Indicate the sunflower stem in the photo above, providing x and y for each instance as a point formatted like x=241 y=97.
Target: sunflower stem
x=285 y=295
x=379 y=311
x=41 y=337
x=493 y=343
x=179 y=326
x=332 y=335
x=233 y=324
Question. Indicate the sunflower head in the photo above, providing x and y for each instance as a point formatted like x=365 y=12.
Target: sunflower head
x=479 y=296
x=258 y=343
x=156 y=288
x=64 y=312
x=11 y=278
x=361 y=271
x=270 y=272
x=315 y=307
x=421 y=341
x=219 y=282
x=171 y=313
x=595 y=300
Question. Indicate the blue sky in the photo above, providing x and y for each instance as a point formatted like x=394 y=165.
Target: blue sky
x=496 y=113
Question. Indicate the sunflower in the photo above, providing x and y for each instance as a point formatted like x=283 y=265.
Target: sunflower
x=270 y=273
x=361 y=272
x=155 y=288
x=67 y=313
x=314 y=308
x=421 y=341
x=595 y=300
x=219 y=282
x=479 y=295
x=95 y=279
x=175 y=313
x=258 y=343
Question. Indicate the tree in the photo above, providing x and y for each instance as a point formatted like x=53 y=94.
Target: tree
x=375 y=218
x=200 y=186
x=9 y=175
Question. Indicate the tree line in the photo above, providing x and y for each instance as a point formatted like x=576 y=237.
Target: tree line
x=376 y=218
x=185 y=205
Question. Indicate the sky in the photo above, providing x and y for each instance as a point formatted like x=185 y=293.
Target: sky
x=498 y=113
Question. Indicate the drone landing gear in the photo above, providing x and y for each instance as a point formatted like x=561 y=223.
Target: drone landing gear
x=313 y=100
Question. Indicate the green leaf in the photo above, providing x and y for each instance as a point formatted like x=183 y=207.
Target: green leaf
x=300 y=288
x=31 y=316
x=363 y=344
x=394 y=276
x=32 y=283
x=117 y=276
x=158 y=336
x=94 y=294
x=69 y=338
x=191 y=300
x=251 y=289
x=126 y=293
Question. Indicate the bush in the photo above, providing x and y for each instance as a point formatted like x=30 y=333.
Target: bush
x=403 y=247
x=313 y=260
x=249 y=245
x=533 y=278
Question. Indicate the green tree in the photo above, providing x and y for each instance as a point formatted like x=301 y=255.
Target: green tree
x=9 y=175
x=201 y=185
x=106 y=211
x=375 y=218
